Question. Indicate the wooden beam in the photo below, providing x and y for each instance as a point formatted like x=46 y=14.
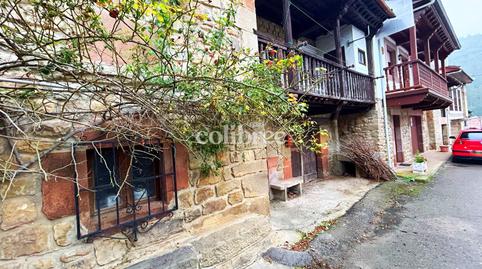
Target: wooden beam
x=444 y=73
x=367 y=9
x=427 y=53
x=414 y=54
x=287 y=23
x=337 y=36
x=437 y=61
x=413 y=43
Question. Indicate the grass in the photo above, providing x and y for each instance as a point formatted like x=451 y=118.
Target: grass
x=412 y=177
x=306 y=238
x=411 y=189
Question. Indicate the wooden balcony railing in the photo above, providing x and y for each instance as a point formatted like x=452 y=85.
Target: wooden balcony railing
x=415 y=74
x=321 y=77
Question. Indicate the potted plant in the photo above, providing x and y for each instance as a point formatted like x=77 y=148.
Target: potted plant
x=419 y=164
x=444 y=148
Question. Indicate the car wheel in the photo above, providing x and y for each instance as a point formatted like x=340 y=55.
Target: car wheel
x=455 y=159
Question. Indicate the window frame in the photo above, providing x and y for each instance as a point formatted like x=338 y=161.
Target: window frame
x=363 y=59
x=126 y=216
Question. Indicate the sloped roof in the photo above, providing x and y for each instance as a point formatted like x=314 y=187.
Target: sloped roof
x=457 y=76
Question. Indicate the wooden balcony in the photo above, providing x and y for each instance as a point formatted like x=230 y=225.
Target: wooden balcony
x=322 y=82
x=413 y=84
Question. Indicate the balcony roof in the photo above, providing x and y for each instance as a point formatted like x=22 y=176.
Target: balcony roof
x=363 y=14
x=431 y=21
x=456 y=76
x=434 y=19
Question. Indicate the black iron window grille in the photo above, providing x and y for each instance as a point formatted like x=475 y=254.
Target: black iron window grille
x=127 y=189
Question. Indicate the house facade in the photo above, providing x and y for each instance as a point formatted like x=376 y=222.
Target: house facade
x=335 y=40
x=416 y=80
x=221 y=221
x=455 y=118
x=168 y=215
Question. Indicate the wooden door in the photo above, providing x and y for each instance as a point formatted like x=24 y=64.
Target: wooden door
x=418 y=122
x=398 y=139
x=309 y=165
x=305 y=166
x=416 y=134
x=295 y=162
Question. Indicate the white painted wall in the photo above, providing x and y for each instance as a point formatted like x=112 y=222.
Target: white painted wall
x=349 y=33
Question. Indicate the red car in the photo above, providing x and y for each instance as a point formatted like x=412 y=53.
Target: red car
x=468 y=145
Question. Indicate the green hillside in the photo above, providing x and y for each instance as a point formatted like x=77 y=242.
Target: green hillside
x=470 y=59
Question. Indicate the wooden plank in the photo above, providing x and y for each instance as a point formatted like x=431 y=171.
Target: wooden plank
x=287 y=27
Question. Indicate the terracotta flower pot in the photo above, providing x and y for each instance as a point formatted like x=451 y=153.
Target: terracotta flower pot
x=288 y=141
x=444 y=148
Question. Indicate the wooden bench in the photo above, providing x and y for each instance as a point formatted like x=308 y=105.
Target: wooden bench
x=280 y=188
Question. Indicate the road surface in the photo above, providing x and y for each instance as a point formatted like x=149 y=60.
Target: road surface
x=439 y=228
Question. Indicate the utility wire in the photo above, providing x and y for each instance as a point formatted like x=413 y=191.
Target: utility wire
x=325 y=53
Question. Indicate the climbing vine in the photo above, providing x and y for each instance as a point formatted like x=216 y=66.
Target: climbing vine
x=136 y=70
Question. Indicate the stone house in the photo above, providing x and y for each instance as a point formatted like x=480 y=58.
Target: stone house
x=416 y=80
x=167 y=216
x=456 y=116
x=191 y=221
x=188 y=220
x=338 y=37
x=450 y=121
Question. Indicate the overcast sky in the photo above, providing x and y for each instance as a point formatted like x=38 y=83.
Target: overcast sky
x=465 y=15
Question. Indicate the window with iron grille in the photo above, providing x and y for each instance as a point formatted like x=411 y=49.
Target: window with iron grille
x=126 y=189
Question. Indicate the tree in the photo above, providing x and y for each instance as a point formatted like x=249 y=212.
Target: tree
x=135 y=70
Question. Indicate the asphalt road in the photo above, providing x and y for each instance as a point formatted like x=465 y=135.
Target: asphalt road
x=439 y=228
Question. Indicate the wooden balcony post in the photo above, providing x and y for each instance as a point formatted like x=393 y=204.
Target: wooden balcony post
x=437 y=61
x=414 y=55
x=444 y=73
x=413 y=43
x=337 y=36
x=426 y=50
x=287 y=23
x=339 y=55
x=288 y=30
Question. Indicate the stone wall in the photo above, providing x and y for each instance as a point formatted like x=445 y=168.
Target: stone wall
x=38 y=224
x=272 y=29
x=368 y=125
x=405 y=130
x=219 y=216
x=456 y=126
x=426 y=132
x=432 y=135
x=325 y=123
x=434 y=128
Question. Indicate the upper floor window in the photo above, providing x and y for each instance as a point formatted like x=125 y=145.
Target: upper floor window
x=362 y=57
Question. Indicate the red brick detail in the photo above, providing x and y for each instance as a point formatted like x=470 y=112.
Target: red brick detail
x=58 y=190
x=272 y=167
x=182 y=167
x=90 y=135
x=249 y=4
x=287 y=170
x=323 y=160
x=272 y=162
